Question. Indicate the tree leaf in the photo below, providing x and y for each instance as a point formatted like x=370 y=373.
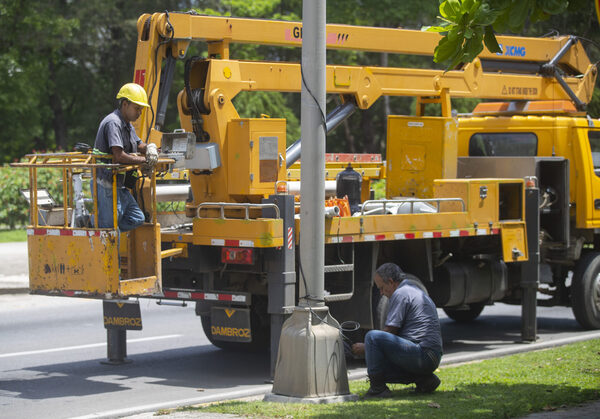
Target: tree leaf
x=434 y=29
x=518 y=14
x=490 y=40
x=553 y=7
x=484 y=15
x=451 y=10
x=446 y=49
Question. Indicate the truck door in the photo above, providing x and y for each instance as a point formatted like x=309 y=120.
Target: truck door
x=589 y=190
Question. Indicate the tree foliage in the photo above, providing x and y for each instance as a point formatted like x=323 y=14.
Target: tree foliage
x=63 y=61
x=469 y=24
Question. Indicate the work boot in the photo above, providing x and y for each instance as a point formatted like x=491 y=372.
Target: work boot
x=378 y=387
x=427 y=384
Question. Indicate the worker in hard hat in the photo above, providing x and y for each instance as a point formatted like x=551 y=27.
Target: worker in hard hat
x=409 y=348
x=117 y=136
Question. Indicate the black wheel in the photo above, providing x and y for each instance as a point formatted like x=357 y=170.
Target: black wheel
x=465 y=315
x=585 y=291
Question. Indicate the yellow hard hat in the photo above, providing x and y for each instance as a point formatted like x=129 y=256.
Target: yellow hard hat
x=135 y=93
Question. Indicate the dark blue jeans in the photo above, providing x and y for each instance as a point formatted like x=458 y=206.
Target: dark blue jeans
x=129 y=214
x=396 y=359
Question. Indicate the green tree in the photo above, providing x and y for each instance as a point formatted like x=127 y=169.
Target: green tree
x=64 y=62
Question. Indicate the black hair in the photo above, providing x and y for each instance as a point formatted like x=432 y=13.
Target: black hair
x=391 y=272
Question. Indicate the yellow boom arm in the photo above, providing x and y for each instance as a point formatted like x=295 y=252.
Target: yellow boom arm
x=513 y=75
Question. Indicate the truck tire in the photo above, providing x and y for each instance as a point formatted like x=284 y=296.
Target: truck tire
x=585 y=291
x=260 y=324
x=464 y=316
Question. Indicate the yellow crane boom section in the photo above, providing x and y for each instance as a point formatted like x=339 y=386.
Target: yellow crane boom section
x=163 y=35
x=213 y=29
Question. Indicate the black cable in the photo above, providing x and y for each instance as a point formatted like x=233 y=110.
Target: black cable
x=321 y=112
x=166 y=41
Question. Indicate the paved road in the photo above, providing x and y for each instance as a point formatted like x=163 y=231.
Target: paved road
x=14 y=267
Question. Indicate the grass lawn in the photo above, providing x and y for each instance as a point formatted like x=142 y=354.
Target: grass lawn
x=7 y=236
x=511 y=386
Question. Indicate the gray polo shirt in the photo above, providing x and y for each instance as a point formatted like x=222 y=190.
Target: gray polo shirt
x=114 y=131
x=415 y=316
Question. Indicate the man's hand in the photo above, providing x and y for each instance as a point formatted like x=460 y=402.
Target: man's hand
x=358 y=349
x=151 y=154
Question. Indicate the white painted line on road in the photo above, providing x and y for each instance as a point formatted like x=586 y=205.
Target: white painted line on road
x=91 y=345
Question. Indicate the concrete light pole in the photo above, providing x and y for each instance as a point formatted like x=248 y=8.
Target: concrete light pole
x=311 y=367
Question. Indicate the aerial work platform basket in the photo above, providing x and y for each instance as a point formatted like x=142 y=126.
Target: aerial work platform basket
x=68 y=254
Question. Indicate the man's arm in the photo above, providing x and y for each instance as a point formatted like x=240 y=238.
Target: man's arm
x=121 y=157
x=359 y=347
x=391 y=329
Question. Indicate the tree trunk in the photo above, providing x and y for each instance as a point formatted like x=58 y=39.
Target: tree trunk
x=58 y=115
x=350 y=139
x=366 y=127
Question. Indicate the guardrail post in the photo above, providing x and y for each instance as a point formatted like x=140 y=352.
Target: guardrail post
x=530 y=270
x=280 y=267
x=116 y=347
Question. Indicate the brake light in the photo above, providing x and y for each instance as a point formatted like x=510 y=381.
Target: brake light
x=237 y=255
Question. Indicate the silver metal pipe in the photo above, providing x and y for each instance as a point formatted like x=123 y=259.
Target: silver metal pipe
x=331 y=212
x=334 y=118
x=165 y=193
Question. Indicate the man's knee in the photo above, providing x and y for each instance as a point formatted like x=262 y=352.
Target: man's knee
x=373 y=336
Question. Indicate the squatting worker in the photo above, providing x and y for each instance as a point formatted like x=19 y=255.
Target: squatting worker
x=117 y=136
x=409 y=349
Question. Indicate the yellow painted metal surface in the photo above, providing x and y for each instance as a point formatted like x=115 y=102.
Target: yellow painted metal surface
x=145 y=251
x=587 y=182
x=514 y=242
x=377 y=39
x=261 y=232
x=483 y=197
x=395 y=227
x=561 y=136
x=173 y=252
x=255 y=155
x=419 y=150
x=140 y=286
x=78 y=261
x=83 y=263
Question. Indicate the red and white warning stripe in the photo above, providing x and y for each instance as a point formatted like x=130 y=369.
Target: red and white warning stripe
x=185 y=295
x=418 y=235
x=68 y=232
x=290 y=238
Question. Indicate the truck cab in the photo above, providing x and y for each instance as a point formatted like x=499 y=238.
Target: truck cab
x=560 y=147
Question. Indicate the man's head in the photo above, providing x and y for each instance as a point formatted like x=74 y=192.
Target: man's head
x=132 y=99
x=388 y=277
